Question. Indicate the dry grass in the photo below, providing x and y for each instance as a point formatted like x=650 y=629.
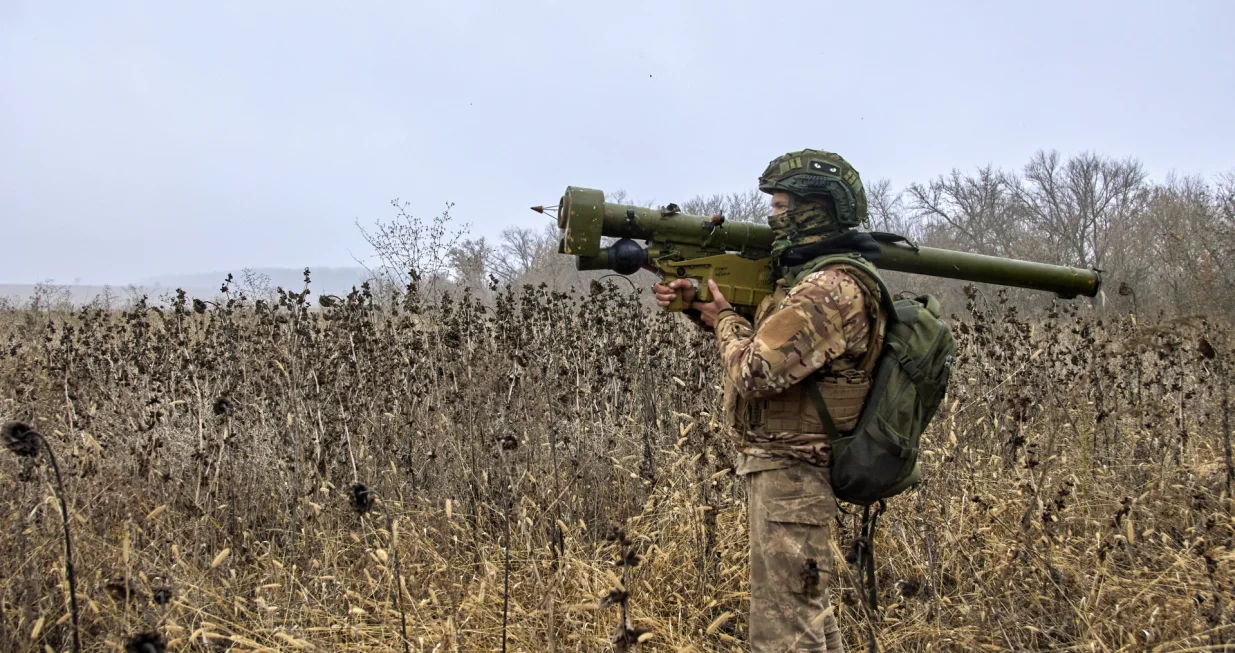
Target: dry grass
x=1077 y=493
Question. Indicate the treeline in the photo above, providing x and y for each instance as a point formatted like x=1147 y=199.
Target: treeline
x=1163 y=246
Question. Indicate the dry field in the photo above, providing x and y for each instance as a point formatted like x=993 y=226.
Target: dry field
x=1077 y=493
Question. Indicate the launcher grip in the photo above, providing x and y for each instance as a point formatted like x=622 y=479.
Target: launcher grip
x=700 y=277
x=743 y=282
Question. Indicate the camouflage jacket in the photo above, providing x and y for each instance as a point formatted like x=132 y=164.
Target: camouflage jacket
x=823 y=322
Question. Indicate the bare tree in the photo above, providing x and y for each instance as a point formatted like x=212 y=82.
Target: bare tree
x=1183 y=247
x=621 y=196
x=48 y=296
x=410 y=249
x=255 y=285
x=1225 y=200
x=1224 y=236
x=105 y=300
x=523 y=249
x=745 y=206
x=978 y=209
x=888 y=212
x=469 y=261
x=1077 y=204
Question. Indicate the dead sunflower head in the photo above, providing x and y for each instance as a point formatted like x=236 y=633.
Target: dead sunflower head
x=123 y=589
x=150 y=642
x=627 y=636
x=20 y=439
x=508 y=442
x=362 y=498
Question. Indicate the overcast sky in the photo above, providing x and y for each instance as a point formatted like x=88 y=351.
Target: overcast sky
x=148 y=138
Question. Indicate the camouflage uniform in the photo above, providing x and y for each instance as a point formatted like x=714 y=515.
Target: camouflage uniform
x=825 y=322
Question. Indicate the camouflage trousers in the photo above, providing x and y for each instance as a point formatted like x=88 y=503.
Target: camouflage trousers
x=791 y=510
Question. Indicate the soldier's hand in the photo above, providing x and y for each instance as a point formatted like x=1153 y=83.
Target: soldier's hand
x=710 y=311
x=664 y=293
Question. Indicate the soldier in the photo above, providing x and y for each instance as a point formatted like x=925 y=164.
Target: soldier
x=816 y=329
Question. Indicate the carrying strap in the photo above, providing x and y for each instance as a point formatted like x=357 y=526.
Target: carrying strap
x=864 y=243
x=791 y=274
x=861 y=556
x=864 y=553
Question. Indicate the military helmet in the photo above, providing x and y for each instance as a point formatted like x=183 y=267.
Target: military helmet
x=816 y=173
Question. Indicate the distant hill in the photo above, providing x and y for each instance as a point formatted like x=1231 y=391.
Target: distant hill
x=324 y=280
x=19 y=294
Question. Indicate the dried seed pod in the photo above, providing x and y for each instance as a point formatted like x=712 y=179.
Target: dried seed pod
x=123 y=589
x=629 y=559
x=617 y=534
x=614 y=597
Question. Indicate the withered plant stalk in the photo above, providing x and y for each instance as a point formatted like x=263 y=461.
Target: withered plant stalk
x=68 y=541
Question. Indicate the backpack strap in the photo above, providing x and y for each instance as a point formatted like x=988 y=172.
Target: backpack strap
x=879 y=319
x=855 y=260
x=829 y=426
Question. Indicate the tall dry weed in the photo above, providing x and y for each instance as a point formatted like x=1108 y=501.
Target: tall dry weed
x=1076 y=494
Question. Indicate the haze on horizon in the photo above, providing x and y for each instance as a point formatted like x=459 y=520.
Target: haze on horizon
x=140 y=139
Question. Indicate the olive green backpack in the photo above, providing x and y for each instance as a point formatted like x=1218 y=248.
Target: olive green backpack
x=879 y=457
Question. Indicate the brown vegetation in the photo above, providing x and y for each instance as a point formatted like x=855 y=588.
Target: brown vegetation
x=1077 y=492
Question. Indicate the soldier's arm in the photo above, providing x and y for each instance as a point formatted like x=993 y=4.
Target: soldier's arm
x=807 y=333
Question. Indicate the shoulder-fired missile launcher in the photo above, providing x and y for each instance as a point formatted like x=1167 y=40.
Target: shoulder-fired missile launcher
x=737 y=255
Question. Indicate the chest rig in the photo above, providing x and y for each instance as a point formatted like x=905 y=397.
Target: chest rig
x=844 y=382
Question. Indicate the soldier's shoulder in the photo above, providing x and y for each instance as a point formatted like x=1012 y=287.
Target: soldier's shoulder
x=829 y=290
x=827 y=280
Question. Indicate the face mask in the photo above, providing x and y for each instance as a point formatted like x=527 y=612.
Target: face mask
x=807 y=223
